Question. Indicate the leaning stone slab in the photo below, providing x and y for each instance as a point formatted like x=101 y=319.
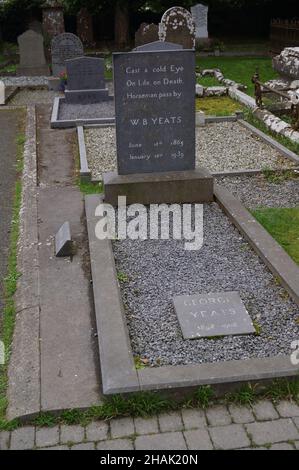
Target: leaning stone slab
x=63 y=241
x=2 y=93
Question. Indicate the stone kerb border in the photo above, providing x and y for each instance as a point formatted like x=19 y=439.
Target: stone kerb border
x=24 y=367
x=117 y=366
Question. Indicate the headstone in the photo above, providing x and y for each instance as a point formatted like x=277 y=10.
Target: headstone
x=146 y=34
x=155 y=109
x=200 y=16
x=2 y=93
x=211 y=315
x=53 y=19
x=177 y=26
x=32 y=55
x=85 y=80
x=65 y=46
x=85 y=27
x=63 y=241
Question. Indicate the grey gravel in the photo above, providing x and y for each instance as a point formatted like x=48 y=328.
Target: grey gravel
x=24 y=81
x=27 y=97
x=219 y=147
x=159 y=270
x=105 y=109
x=257 y=191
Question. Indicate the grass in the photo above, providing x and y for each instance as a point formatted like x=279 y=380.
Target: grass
x=87 y=187
x=283 y=225
x=11 y=68
x=146 y=404
x=240 y=69
x=218 y=106
x=208 y=81
x=10 y=281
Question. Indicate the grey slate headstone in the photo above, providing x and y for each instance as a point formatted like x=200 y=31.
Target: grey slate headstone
x=209 y=315
x=32 y=55
x=85 y=80
x=63 y=47
x=63 y=241
x=155 y=109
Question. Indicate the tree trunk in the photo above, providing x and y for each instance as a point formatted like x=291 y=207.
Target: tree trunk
x=121 y=25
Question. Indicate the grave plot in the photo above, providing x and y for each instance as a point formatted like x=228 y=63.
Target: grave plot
x=31 y=95
x=220 y=147
x=153 y=273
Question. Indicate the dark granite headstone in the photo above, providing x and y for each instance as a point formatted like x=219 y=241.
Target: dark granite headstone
x=177 y=25
x=63 y=47
x=146 y=33
x=209 y=315
x=85 y=80
x=155 y=109
x=32 y=55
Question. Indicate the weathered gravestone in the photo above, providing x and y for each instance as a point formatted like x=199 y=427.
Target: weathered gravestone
x=53 y=18
x=85 y=27
x=63 y=47
x=209 y=315
x=155 y=128
x=200 y=15
x=287 y=63
x=155 y=109
x=85 y=81
x=32 y=55
x=2 y=93
x=146 y=34
x=177 y=26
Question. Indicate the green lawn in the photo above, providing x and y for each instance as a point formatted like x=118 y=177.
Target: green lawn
x=218 y=106
x=283 y=225
x=240 y=69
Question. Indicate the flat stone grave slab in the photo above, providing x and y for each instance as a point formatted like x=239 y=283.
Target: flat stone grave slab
x=155 y=109
x=210 y=315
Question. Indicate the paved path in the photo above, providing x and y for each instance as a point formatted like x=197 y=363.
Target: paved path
x=263 y=426
x=8 y=133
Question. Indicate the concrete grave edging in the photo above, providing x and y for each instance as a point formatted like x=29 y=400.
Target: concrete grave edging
x=24 y=366
x=116 y=356
x=85 y=172
x=57 y=123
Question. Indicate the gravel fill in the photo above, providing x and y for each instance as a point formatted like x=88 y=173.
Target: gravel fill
x=159 y=270
x=31 y=97
x=24 y=81
x=257 y=191
x=219 y=147
x=105 y=109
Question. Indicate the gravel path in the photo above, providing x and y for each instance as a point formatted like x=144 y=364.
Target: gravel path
x=219 y=147
x=87 y=111
x=30 y=97
x=256 y=191
x=159 y=270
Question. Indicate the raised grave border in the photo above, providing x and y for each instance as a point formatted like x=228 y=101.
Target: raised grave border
x=119 y=374
x=85 y=172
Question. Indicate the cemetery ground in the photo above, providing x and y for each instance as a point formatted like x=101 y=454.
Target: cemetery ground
x=62 y=405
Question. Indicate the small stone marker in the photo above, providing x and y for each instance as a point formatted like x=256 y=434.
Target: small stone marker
x=85 y=80
x=200 y=16
x=155 y=109
x=2 y=93
x=219 y=314
x=32 y=55
x=63 y=47
x=63 y=241
x=177 y=26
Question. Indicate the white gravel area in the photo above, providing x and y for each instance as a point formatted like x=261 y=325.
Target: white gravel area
x=29 y=96
x=219 y=147
x=257 y=191
x=156 y=271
